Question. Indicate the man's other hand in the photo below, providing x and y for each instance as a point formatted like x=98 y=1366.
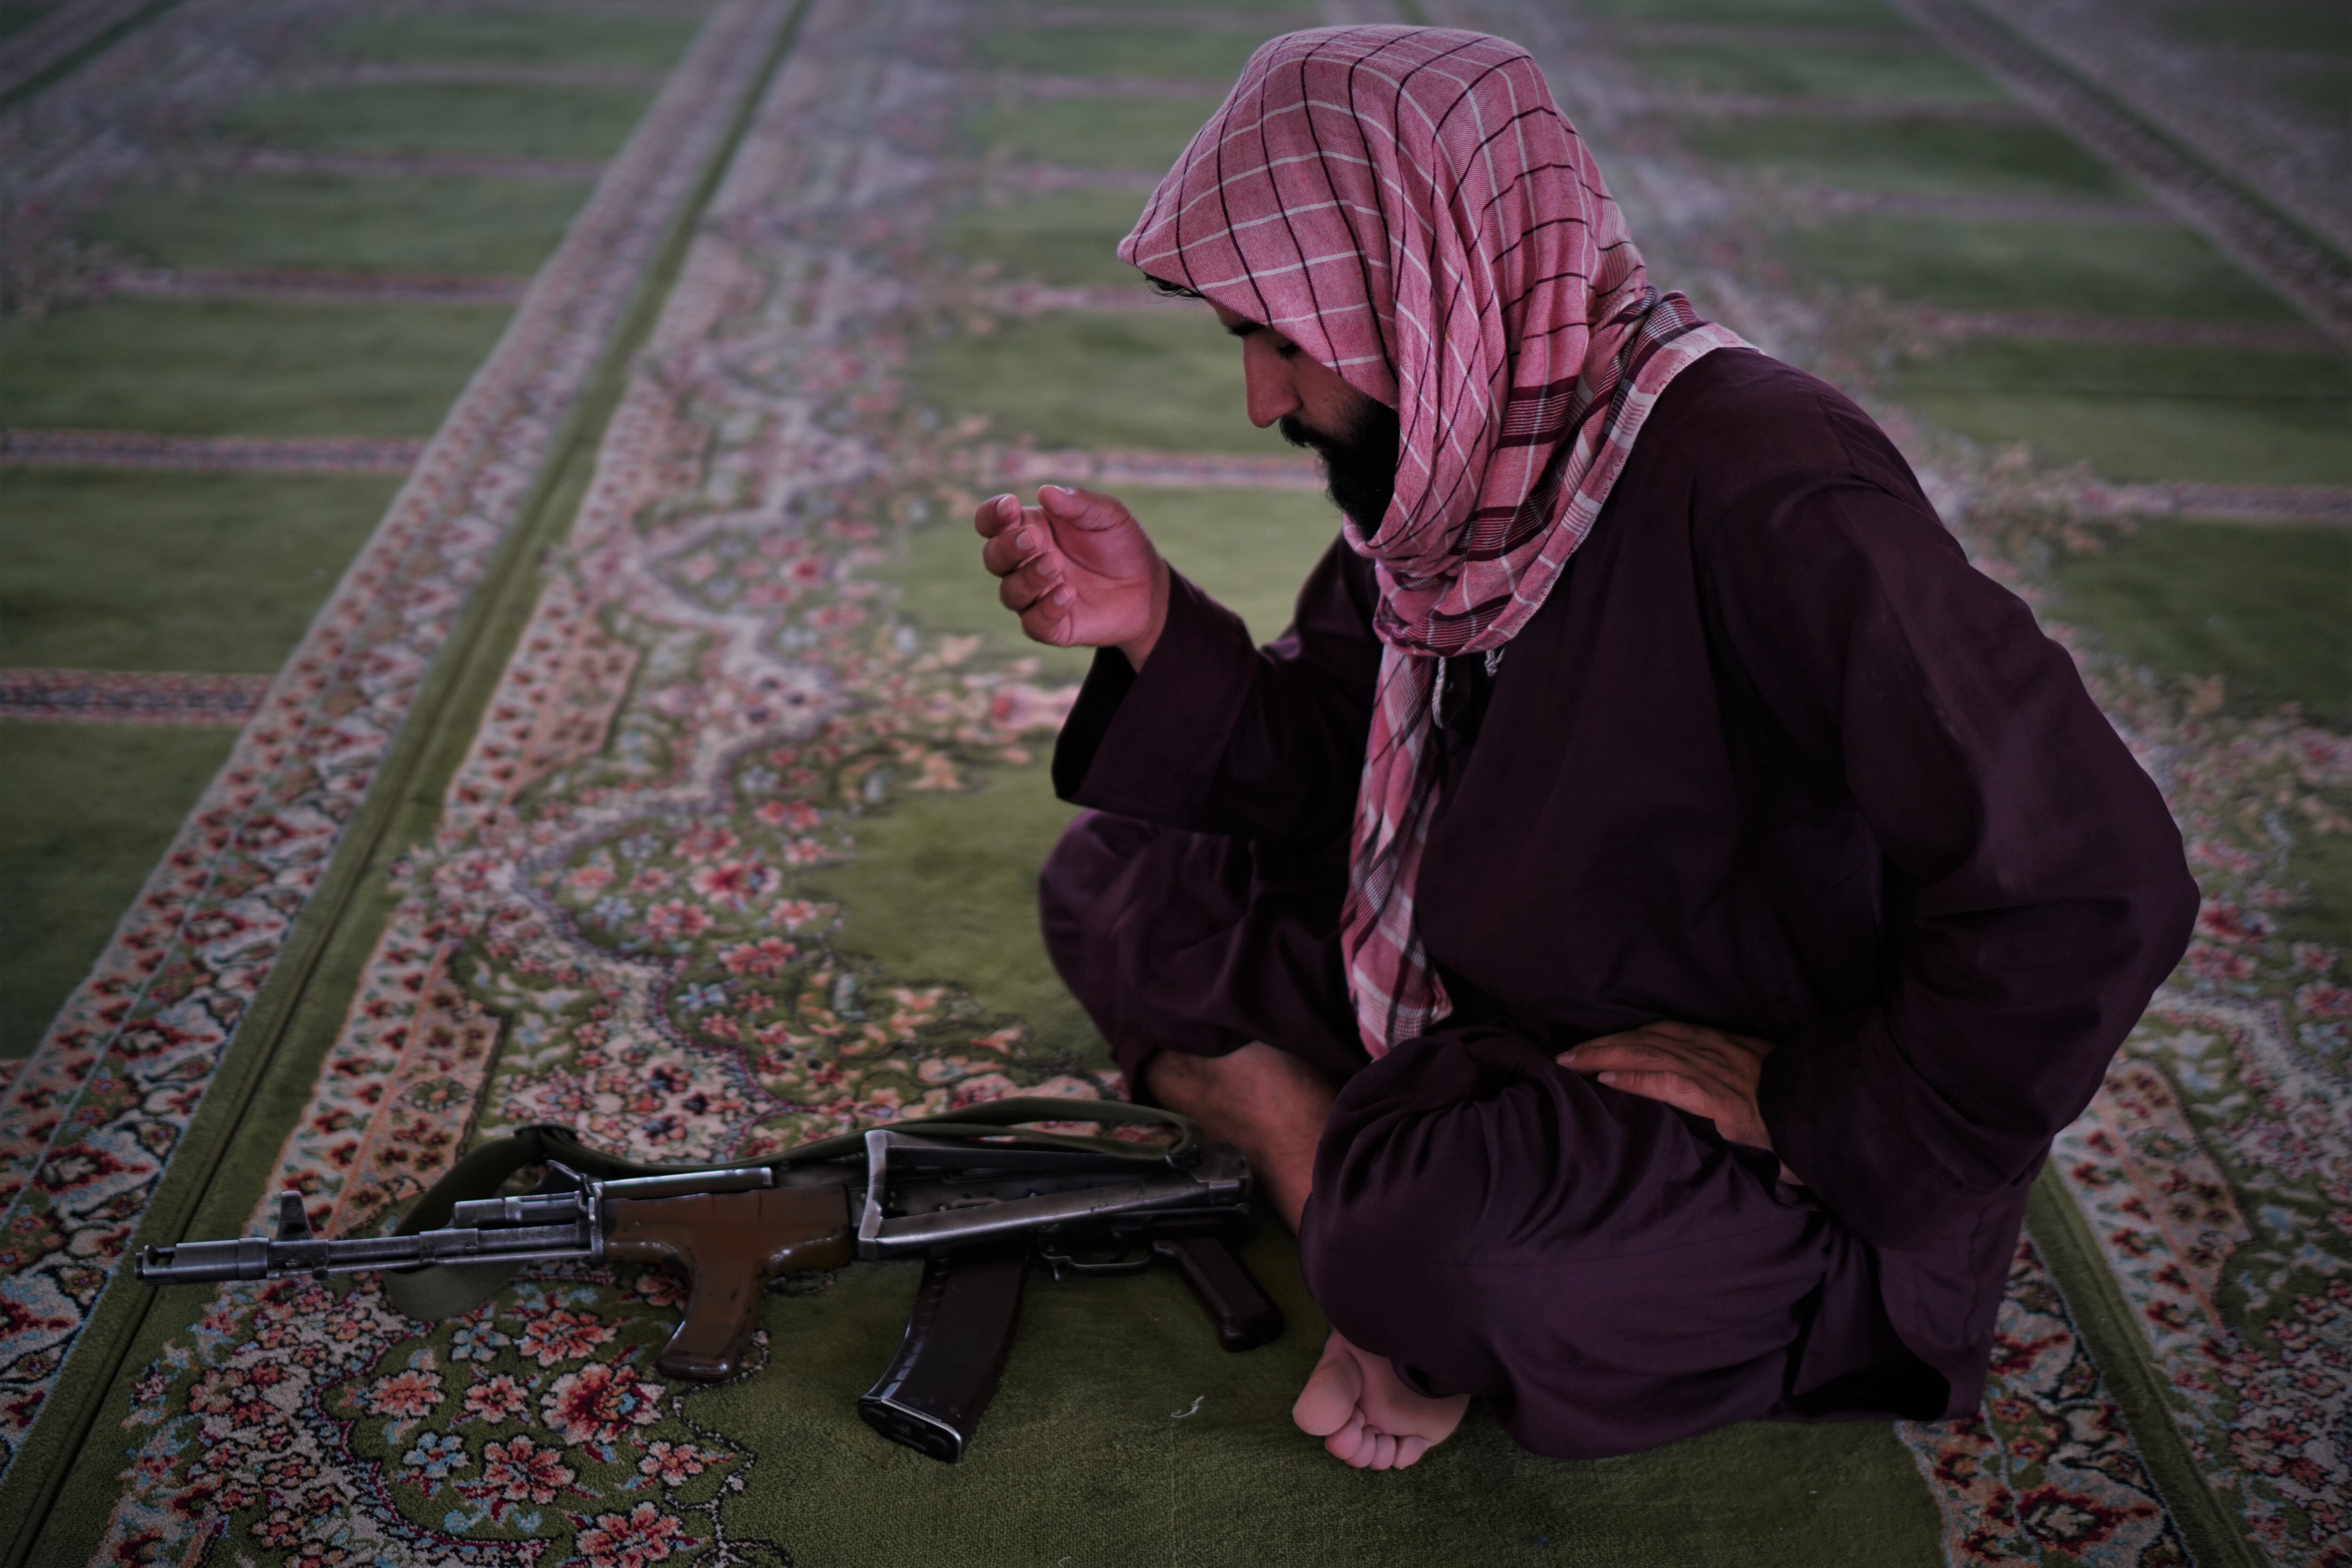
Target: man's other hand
x=1077 y=569
x=1365 y=1414
x=1705 y=1071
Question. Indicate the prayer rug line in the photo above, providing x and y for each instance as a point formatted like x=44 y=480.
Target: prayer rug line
x=1020 y=85
x=1841 y=203
x=2067 y=327
x=124 y=117
x=323 y=284
x=58 y=36
x=95 y=1117
x=2315 y=280
x=486 y=76
x=1040 y=178
x=1170 y=470
x=1735 y=34
x=1125 y=16
x=2278 y=506
x=209 y=454
x=1836 y=110
x=131 y=696
x=2247 y=128
x=419 y=166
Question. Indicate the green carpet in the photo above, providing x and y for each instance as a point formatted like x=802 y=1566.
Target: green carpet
x=2264 y=606
x=1799 y=72
x=1196 y=54
x=1070 y=237
x=2149 y=412
x=1167 y=383
x=514 y=121
x=242 y=367
x=85 y=812
x=327 y=220
x=1144 y=133
x=131 y=571
x=2109 y=269
x=517 y=38
x=1919 y=155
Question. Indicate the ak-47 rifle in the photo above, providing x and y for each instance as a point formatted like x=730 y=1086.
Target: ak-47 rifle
x=975 y=1200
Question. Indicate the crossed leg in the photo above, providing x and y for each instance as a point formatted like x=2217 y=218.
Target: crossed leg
x=1273 y=1106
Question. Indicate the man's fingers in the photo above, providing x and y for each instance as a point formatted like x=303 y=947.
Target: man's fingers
x=1049 y=621
x=1014 y=546
x=1672 y=1088
x=1030 y=583
x=995 y=515
x=1617 y=1050
x=1086 y=510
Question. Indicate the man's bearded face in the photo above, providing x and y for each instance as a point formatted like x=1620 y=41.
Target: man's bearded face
x=1361 y=461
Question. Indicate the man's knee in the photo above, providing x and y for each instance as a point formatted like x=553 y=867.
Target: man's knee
x=1429 y=1159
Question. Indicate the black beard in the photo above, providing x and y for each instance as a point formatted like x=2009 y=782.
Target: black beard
x=1360 y=462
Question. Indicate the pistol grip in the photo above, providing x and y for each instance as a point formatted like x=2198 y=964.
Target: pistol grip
x=956 y=1337
x=731 y=1244
x=1202 y=1252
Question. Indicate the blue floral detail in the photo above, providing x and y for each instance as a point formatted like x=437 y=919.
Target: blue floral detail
x=477 y=1342
x=695 y=998
x=436 y=1454
x=613 y=911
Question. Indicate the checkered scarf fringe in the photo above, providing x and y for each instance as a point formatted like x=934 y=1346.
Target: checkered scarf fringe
x=1410 y=207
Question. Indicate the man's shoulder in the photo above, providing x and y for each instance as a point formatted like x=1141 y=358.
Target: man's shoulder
x=1744 y=420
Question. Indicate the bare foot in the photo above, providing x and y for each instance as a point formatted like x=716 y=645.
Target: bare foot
x=1366 y=1415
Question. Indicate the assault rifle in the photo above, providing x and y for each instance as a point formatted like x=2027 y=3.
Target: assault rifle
x=974 y=1200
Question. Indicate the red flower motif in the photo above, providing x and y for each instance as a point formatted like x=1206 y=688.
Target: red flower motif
x=600 y=1403
x=499 y=1398
x=2325 y=1000
x=666 y=921
x=768 y=956
x=519 y=1471
x=731 y=881
x=644 y=1535
x=707 y=843
x=792 y=816
x=677 y=1463
x=561 y=1336
x=405 y=1393
x=2208 y=962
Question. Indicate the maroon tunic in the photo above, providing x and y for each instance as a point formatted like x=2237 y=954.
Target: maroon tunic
x=1774 y=758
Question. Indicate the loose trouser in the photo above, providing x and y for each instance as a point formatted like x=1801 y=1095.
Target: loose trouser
x=1604 y=1269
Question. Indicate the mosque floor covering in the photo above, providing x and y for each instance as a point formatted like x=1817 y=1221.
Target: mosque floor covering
x=433 y=701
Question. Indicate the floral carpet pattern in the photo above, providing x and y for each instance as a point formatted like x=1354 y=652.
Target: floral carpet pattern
x=90 y=1121
x=617 y=924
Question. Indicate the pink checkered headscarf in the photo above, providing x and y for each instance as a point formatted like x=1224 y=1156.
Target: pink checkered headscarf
x=1410 y=207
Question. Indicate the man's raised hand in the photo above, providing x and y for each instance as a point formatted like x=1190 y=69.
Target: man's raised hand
x=1077 y=569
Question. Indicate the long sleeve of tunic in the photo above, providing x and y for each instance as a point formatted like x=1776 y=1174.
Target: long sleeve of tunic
x=1774 y=759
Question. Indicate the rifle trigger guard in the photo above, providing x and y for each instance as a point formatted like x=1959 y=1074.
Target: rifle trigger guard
x=1065 y=1267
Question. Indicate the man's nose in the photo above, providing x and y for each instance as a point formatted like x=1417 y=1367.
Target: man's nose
x=1272 y=392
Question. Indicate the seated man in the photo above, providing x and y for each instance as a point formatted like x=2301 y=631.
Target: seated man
x=1647 y=918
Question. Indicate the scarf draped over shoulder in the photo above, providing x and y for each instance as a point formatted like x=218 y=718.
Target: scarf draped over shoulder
x=1410 y=207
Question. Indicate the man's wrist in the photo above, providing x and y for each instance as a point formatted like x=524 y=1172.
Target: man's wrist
x=1139 y=648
